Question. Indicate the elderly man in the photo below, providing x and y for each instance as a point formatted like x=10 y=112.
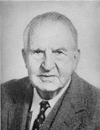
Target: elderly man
x=53 y=97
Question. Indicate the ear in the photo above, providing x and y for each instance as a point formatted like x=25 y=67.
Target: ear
x=76 y=57
x=24 y=56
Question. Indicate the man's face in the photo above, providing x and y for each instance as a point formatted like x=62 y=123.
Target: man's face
x=51 y=57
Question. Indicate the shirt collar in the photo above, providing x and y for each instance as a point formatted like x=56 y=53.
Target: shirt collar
x=37 y=99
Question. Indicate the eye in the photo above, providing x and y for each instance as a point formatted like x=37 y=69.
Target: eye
x=37 y=54
x=38 y=51
x=59 y=52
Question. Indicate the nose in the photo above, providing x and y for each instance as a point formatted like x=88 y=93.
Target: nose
x=48 y=63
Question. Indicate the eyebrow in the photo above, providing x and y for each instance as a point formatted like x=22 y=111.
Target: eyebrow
x=36 y=49
x=62 y=48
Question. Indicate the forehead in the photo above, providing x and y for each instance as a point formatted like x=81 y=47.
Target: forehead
x=52 y=35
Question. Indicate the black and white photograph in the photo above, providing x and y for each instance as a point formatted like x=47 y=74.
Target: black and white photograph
x=50 y=65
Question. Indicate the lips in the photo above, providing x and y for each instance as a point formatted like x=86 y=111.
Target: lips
x=47 y=78
x=46 y=75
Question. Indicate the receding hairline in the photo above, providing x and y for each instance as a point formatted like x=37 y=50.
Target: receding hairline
x=52 y=16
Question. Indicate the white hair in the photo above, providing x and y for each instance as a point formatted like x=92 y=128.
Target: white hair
x=53 y=16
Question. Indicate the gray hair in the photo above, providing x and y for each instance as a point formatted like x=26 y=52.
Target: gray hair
x=53 y=16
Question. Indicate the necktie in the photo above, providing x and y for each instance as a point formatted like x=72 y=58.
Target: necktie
x=41 y=116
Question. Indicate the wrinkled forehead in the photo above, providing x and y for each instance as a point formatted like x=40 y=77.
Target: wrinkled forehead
x=51 y=32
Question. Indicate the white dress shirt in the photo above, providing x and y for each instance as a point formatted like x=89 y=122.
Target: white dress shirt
x=35 y=108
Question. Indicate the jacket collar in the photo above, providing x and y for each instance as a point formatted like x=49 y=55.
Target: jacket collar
x=71 y=109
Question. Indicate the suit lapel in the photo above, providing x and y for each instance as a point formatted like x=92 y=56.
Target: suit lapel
x=24 y=116
x=71 y=108
x=19 y=114
x=26 y=107
x=66 y=118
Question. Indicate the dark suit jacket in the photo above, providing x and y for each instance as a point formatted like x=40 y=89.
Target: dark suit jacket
x=77 y=109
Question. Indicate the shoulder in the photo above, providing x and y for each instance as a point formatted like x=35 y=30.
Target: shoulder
x=84 y=87
x=88 y=95
x=14 y=89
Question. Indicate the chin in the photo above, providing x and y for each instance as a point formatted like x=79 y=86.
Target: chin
x=48 y=87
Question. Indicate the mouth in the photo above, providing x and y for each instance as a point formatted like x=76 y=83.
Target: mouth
x=42 y=75
x=47 y=78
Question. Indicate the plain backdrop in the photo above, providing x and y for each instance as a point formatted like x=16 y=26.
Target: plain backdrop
x=84 y=15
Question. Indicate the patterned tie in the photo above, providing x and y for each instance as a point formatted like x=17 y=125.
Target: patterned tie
x=41 y=116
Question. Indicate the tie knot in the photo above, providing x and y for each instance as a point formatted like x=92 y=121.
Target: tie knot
x=44 y=105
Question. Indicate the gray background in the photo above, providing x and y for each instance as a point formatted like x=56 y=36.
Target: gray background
x=85 y=15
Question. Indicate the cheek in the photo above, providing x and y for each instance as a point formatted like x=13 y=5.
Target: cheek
x=33 y=66
x=65 y=68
